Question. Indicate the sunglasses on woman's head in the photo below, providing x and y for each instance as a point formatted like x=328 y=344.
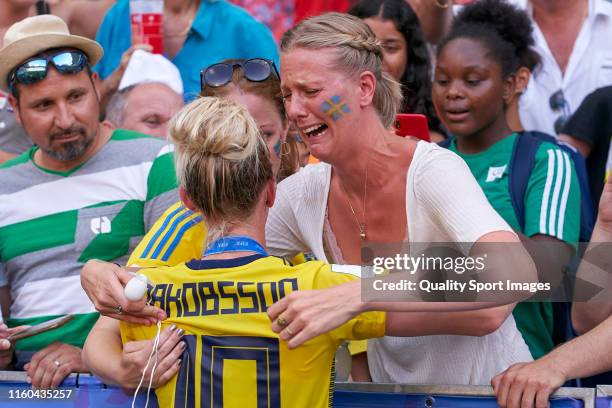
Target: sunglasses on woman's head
x=35 y=69
x=255 y=70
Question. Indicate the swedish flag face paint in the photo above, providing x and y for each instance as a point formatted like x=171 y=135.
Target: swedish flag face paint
x=277 y=148
x=335 y=108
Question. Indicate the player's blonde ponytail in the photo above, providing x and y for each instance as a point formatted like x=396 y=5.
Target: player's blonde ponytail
x=221 y=160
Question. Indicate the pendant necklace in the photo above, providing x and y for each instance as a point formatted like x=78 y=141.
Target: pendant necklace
x=363 y=233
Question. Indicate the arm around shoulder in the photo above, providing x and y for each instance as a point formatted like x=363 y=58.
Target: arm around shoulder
x=435 y=17
x=441 y=180
x=102 y=351
x=597 y=261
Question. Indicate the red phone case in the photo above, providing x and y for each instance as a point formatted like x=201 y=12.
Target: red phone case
x=412 y=124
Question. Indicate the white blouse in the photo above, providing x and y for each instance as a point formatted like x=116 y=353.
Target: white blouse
x=444 y=203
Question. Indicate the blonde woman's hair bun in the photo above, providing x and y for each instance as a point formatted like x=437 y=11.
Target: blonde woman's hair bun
x=199 y=129
x=221 y=159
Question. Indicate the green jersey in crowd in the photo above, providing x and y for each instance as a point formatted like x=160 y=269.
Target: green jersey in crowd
x=51 y=223
x=552 y=207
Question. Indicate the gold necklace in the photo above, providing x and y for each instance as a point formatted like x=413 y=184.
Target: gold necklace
x=363 y=228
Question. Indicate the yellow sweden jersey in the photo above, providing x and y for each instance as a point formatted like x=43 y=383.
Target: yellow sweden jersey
x=232 y=358
x=177 y=236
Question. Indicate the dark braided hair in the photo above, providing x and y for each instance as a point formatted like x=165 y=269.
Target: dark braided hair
x=416 y=80
x=505 y=30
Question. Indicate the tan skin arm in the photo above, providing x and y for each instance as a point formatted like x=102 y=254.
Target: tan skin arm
x=528 y=385
x=311 y=313
x=360 y=371
x=123 y=364
x=435 y=20
x=586 y=315
x=468 y=323
x=82 y=16
x=104 y=340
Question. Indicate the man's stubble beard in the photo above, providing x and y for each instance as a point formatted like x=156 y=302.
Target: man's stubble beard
x=72 y=150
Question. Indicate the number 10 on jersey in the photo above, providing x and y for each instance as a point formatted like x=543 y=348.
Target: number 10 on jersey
x=227 y=364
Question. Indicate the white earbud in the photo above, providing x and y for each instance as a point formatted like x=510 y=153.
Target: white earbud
x=136 y=287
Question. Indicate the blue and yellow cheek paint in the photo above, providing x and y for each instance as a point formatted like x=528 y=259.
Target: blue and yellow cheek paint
x=277 y=147
x=335 y=108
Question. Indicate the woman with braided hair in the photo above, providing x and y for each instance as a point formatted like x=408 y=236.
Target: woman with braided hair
x=375 y=187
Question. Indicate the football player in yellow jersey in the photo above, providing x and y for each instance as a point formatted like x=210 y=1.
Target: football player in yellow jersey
x=230 y=355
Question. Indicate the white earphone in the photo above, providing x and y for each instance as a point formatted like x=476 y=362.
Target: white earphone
x=136 y=288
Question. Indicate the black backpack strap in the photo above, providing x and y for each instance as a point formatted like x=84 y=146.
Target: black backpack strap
x=521 y=166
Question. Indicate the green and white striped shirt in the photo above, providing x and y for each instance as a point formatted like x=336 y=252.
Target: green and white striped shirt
x=51 y=223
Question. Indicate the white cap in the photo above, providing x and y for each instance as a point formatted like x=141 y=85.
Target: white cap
x=145 y=67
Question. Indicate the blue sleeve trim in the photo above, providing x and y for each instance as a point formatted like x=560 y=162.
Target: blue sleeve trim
x=145 y=253
x=179 y=236
x=169 y=233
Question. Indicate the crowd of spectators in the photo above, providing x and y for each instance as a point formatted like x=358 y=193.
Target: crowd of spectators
x=519 y=107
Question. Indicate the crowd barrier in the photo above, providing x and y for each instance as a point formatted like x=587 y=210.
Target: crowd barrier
x=367 y=395
x=88 y=391
x=604 y=396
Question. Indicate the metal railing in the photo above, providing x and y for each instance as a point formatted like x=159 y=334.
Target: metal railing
x=441 y=396
x=354 y=395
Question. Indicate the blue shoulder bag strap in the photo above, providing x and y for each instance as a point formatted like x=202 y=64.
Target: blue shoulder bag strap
x=521 y=166
x=446 y=142
x=587 y=210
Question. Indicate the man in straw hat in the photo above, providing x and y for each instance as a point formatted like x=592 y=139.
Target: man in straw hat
x=83 y=192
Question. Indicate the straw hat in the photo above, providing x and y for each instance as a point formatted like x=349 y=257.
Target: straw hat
x=33 y=35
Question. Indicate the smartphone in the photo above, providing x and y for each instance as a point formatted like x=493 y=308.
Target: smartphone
x=40 y=328
x=412 y=124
